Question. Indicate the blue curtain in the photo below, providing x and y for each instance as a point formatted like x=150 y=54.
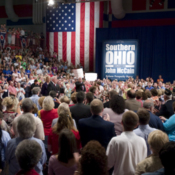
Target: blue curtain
x=156 y=51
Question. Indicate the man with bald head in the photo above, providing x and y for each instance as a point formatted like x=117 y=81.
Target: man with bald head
x=155 y=121
x=131 y=103
x=94 y=127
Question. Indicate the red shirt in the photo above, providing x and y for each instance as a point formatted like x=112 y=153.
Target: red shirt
x=47 y=117
x=31 y=172
x=53 y=141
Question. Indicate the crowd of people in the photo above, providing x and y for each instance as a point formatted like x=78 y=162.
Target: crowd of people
x=14 y=36
x=53 y=123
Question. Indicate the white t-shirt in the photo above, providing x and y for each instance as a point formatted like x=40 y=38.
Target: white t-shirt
x=39 y=71
x=7 y=58
x=20 y=95
x=124 y=152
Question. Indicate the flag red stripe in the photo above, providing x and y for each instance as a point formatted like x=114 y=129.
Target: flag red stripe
x=91 y=37
x=101 y=14
x=82 y=29
x=56 y=42
x=24 y=10
x=73 y=48
x=47 y=40
x=110 y=9
x=146 y=22
x=64 y=44
x=138 y=5
x=156 y=5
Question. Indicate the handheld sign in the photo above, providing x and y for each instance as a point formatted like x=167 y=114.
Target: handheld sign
x=91 y=76
x=78 y=73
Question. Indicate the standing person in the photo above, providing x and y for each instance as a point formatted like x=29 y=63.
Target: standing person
x=80 y=85
x=4 y=138
x=115 y=112
x=44 y=89
x=35 y=84
x=156 y=140
x=93 y=160
x=26 y=129
x=144 y=129
x=166 y=109
x=94 y=127
x=65 y=162
x=53 y=86
x=35 y=96
x=28 y=153
x=68 y=91
x=47 y=114
x=124 y=152
x=27 y=106
x=64 y=121
x=80 y=110
x=20 y=92
x=169 y=125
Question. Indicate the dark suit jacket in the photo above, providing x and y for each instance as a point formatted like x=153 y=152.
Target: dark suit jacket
x=166 y=110
x=52 y=87
x=79 y=87
x=155 y=122
x=95 y=128
x=44 y=90
x=80 y=111
x=106 y=105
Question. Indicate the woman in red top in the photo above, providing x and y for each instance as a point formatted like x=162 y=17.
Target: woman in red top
x=47 y=114
x=65 y=121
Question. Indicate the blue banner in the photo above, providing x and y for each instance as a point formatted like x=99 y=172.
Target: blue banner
x=120 y=59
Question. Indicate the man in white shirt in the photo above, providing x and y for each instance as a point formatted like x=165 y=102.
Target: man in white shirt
x=20 y=92
x=124 y=152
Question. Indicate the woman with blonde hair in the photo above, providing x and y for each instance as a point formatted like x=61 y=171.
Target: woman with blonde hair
x=12 y=106
x=156 y=140
x=65 y=121
x=47 y=114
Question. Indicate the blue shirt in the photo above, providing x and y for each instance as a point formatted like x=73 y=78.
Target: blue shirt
x=5 y=138
x=159 y=172
x=143 y=131
x=28 y=72
x=11 y=158
x=169 y=127
x=35 y=99
x=149 y=88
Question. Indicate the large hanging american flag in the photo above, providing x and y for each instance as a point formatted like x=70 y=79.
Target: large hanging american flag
x=71 y=31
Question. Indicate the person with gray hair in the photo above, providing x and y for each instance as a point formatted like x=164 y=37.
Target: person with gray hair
x=35 y=96
x=166 y=109
x=28 y=154
x=26 y=130
x=154 y=121
x=53 y=86
x=27 y=106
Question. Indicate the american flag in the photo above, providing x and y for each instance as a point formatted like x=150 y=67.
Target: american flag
x=71 y=31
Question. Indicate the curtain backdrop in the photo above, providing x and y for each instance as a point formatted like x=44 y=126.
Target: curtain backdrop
x=156 y=49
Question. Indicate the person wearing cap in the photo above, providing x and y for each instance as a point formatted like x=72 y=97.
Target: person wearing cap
x=166 y=109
